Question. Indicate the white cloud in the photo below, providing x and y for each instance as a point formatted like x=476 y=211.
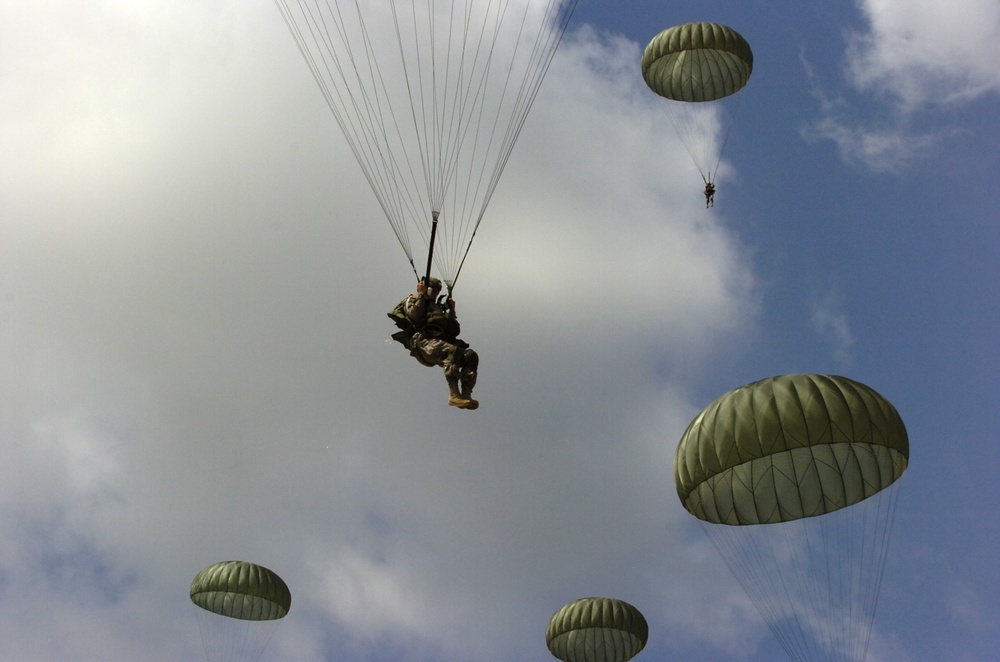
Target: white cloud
x=830 y=319
x=195 y=361
x=881 y=149
x=913 y=58
x=966 y=608
x=365 y=596
x=924 y=52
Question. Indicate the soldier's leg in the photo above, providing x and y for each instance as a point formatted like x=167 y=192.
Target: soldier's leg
x=456 y=375
x=454 y=394
x=469 y=363
x=470 y=370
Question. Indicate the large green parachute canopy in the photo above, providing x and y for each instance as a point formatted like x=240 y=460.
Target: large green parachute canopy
x=789 y=447
x=697 y=62
x=794 y=480
x=596 y=630
x=242 y=590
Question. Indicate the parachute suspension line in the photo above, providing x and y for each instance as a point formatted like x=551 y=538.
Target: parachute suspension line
x=444 y=101
x=415 y=90
x=367 y=136
x=557 y=16
x=726 y=131
x=450 y=131
x=694 y=123
x=751 y=553
x=469 y=94
x=471 y=91
x=554 y=24
x=884 y=525
x=234 y=639
x=392 y=183
x=468 y=70
x=684 y=131
x=793 y=629
x=820 y=567
x=783 y=568
x=472 y=216
x=752 y=557
x=482 y=144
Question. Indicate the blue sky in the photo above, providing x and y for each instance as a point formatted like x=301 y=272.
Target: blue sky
x=196 y=367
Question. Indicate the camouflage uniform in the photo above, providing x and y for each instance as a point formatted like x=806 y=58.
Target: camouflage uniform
x=429 y=330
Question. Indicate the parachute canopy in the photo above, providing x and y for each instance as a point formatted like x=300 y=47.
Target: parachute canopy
x=596 y=630
x=697 y=62
x=242 y=590
x=431 y=96
x=697 y=68
x=794 y=480
x=789 y=447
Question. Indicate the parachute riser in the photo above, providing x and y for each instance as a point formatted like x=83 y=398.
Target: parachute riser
x=430 y=254
x=430 y=248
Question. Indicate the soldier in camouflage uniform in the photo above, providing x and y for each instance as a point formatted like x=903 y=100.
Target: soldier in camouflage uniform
x=709 y=194
x=429 y=329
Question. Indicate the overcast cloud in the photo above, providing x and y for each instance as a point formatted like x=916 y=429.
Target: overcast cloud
x=195 y=340
x=195 y=361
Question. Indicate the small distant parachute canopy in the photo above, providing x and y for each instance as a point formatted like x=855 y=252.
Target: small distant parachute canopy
x=696 y=67
x=697 y=62
x=596 y=630
x=241 y=607
x=243 y=590
x=794 y=479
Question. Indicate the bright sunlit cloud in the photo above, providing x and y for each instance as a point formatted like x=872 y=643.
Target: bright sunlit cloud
x=912 y=59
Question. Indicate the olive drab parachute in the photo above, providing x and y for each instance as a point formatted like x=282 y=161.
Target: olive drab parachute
x=596 y=630
x=697 y=62
x=431 y=96
x=241 y=606
x=695 y=66
x=795 y=481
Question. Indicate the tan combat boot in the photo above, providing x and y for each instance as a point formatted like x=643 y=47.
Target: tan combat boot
x=467 y=396
x=455 y=399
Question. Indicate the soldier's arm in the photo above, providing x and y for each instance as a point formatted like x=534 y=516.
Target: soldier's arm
x=415 y=308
